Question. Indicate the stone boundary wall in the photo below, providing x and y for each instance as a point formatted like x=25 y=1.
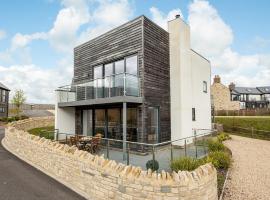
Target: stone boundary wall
x=97 y=178
x=28 y=124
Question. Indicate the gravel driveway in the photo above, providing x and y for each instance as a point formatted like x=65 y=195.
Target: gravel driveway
x=249 y=177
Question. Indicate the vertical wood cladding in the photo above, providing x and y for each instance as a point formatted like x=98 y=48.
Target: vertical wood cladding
x=157 y=74
x=151 y=43
x=111 y=46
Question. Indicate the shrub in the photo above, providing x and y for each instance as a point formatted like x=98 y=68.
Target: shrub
x=215 y=145
x=152 y=164
x=186 y=164
x=223 y=136
x=220 y=159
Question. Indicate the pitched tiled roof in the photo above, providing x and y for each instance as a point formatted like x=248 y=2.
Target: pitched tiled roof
x=246 y=90
x=3 y=87
x=264 y=90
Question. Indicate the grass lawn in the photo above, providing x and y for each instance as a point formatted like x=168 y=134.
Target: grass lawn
x=259 y=123
x=46 y=132
x=232 y=124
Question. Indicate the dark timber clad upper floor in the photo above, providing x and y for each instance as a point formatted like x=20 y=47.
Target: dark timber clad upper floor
x=150 y=43
x=4 y=99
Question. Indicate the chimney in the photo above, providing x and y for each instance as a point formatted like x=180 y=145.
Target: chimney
x=232 y=86
x=177 y=16
x=216 y=79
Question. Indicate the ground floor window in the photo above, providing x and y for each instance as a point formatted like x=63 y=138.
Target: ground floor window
x=109 y=123
x=153 y=125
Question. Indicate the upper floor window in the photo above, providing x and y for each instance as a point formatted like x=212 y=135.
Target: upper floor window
x=108 y=69
x=98 y=72
x=205 y=86
x=132 y=65
x=119 y=67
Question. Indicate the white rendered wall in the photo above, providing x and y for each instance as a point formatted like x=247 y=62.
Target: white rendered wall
x=180 y=80
x=201 y=101
x=64 y=118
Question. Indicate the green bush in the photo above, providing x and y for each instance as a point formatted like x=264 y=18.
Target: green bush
x=223 y=136
x=186 y=164
x=220 y=159
x=215 y=145
x=152 y=164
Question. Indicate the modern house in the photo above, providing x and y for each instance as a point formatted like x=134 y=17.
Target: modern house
x=137 y=82
x=4 y=98
x=251 y=97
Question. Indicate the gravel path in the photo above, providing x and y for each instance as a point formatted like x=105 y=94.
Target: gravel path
x=249 y=177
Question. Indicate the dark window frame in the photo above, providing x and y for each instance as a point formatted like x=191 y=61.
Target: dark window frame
x=193 y=114
x=205 y=89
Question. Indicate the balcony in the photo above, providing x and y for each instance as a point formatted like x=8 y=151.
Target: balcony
x=107 y=89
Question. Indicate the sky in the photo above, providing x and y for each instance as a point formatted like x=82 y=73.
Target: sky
x=37 y=38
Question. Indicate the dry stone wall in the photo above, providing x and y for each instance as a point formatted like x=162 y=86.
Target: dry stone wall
x=97 y=178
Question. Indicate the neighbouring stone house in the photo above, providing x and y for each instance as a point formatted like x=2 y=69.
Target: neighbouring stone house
x=221 y=96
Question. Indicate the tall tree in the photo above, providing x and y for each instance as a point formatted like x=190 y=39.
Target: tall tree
x=18 y=100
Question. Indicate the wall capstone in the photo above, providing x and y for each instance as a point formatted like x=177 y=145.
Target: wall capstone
x=95 y=177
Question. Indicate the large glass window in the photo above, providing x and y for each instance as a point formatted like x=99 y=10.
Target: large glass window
x=100 y=121
x=114 y=123
x=108 y=69
x=153 y=124
x=119 y=67
x=132 y=65
x=98 y=72
x=132 y=124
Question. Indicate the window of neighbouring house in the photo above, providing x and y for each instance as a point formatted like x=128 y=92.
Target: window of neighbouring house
x=193 y=114
x=132 y=65
x=2 y=110
x=205 y=86
x=4 y=96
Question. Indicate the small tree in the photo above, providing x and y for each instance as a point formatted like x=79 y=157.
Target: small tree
x=18 y=100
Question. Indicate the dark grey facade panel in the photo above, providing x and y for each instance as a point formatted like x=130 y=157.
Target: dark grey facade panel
x=4 y=105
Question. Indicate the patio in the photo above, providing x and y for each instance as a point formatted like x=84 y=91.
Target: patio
x=137 y=154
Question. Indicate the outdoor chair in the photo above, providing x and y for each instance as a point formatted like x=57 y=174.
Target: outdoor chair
x=94 y=145
x=75 y=140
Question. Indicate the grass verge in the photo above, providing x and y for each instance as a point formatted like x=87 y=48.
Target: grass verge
x=46 y=132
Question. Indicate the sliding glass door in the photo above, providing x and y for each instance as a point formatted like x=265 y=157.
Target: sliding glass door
x=109 y=123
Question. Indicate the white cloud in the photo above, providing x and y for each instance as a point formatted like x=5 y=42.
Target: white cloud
x=37 y=83
x=161 y=19
x=109 y=14
x=213 y=38
x=20 y=40
x=209 y=33
x=2 y=34
x=62 y=36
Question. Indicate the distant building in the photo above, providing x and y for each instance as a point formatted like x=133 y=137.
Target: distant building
x=221 y=96
x=251 y=97
x=236 y=98
x=4 y=98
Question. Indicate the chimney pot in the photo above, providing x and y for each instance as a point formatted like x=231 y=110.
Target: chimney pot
x=232 y=86
x=216 y=79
